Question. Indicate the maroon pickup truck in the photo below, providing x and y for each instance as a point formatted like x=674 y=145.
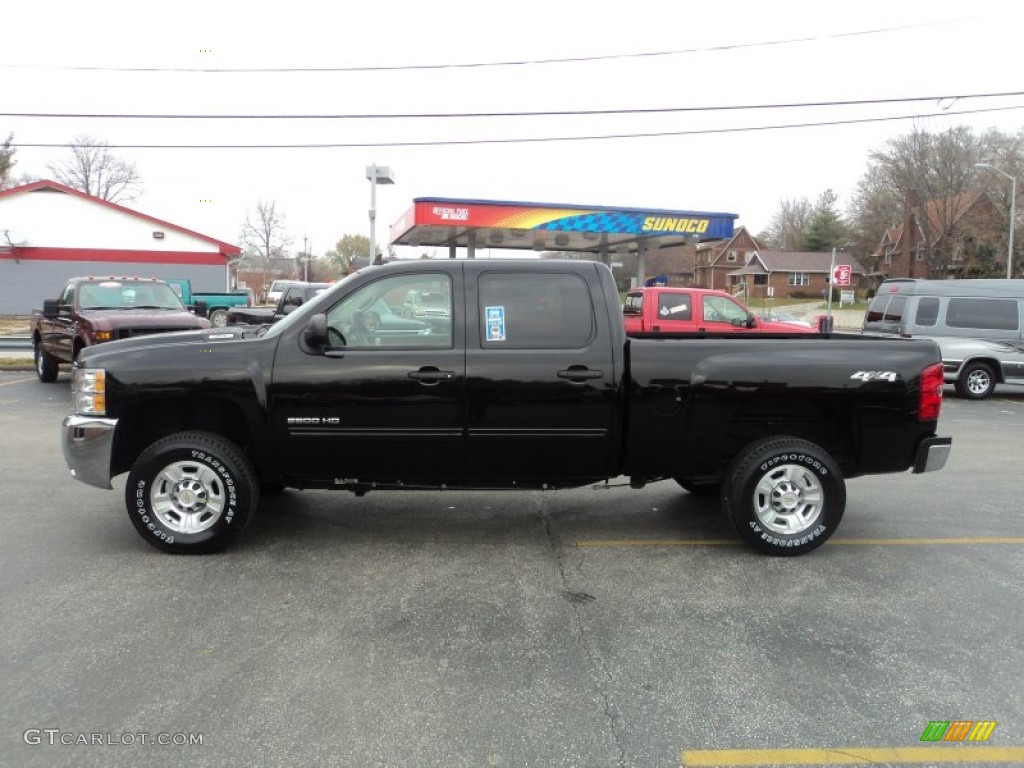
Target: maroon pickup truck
x=92 y=310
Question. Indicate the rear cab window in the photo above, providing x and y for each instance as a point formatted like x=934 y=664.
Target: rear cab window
x=675 y=306
x=521 y=310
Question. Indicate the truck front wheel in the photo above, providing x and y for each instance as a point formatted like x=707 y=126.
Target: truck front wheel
x=47 y=366
x=785 y=496
x=191 y=493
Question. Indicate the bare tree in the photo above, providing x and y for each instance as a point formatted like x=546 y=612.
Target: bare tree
x=93 y=169
x=932 y=171
x=7 y=162
x=264 y=238
x=789 y=224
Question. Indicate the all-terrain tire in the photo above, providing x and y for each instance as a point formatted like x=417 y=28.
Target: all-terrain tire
x=784 y=495
x=191 y=493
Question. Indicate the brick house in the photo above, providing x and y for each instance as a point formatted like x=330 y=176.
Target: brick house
x=944 y=239
x=790 y=274
x=704 y=265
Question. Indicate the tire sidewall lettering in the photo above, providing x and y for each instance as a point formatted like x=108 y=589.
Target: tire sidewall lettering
x=801 y=459
x=154 y=527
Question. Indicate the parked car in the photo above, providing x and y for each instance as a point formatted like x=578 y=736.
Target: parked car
x=661 y=309
x=529 y=382
x=977 y=324
x=782 y=316
x=295 y=295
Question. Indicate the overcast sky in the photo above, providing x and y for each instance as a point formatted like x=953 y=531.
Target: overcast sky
x=388 y=57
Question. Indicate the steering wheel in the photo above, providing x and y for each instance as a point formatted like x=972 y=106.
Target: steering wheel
x=335 y=338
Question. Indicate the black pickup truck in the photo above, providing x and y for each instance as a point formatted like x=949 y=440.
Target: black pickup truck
x=295 y=295
x=520 y=377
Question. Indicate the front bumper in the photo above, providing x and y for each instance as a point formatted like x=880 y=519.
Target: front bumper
x=932 y=453
x=88 y=442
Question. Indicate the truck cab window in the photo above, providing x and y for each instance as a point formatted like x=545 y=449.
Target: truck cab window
x=377 y=314
x=675 y=306
x=548 y=310
x=718 y=309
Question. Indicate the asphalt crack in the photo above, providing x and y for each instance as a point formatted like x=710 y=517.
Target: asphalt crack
x=578 y=601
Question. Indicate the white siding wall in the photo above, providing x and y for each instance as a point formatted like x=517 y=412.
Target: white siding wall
x=50 y=219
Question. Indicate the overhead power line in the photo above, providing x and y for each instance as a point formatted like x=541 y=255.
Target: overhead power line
x=528 y=140
x=479 y=65
x=950 y=98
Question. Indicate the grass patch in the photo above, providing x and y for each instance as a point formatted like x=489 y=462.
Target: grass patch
x=14 y=325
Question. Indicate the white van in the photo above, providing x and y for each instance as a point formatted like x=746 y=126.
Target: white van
x=276 y=291
x=976 y=323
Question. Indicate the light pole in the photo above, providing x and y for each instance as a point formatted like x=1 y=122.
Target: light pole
x=377 y=174
x=1013 y=213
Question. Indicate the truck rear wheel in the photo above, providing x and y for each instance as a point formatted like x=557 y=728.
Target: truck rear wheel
x=47 y=366
x=219 y=318
x=191 y=493
x=785 y=496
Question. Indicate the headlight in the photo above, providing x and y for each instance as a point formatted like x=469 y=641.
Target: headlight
x=89 y=391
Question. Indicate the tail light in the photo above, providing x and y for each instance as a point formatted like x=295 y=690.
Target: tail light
x=929 y=399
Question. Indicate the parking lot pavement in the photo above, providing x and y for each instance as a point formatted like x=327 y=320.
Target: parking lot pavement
x=594 y=627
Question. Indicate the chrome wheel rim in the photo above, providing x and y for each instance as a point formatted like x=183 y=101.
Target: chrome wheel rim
x=789 y=499
x=978 y=382
x=187 y=497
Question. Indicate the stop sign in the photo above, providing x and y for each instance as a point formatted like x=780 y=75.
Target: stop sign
x=843 y=274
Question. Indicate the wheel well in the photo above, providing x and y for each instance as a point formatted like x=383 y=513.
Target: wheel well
x=824 y=423
x=991 y=362
x=142 y=425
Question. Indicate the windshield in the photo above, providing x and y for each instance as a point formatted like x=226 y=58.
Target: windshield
x=118 y=294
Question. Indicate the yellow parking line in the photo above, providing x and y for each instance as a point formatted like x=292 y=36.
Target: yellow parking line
x=963 y=755
x=598 y=543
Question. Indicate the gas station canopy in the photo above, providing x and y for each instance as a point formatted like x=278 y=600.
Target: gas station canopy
x=475 y=224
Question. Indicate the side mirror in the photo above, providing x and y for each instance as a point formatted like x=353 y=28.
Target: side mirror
x=751 y=322
x=51 y=308
x=315 y=335
x=288 y=309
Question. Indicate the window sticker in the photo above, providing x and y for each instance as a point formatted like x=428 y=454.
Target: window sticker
x=495 y=319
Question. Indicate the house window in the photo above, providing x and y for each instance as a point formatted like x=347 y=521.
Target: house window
x=799 y=278
x=760 y=279
x=730 y=256
x=919 y=252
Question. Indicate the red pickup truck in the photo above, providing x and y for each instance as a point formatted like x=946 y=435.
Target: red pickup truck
x=92 y=310
x=659 y=309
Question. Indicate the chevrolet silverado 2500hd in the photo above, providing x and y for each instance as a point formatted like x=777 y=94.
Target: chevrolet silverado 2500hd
x=527 y=380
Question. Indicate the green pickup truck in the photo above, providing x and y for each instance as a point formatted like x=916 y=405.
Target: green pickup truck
x=215 y=306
